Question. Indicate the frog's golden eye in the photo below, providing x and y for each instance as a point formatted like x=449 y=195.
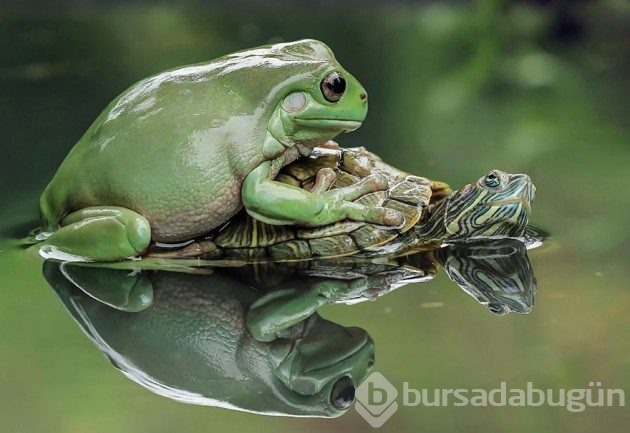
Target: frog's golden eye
x=333 y=86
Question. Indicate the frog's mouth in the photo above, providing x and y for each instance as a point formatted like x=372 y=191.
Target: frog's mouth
x=329 y=123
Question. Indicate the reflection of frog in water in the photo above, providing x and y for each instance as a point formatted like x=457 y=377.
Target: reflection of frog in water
x=192 y=343
x=204 y=336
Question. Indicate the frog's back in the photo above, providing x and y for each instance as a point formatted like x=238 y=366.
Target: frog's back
x=176 y=147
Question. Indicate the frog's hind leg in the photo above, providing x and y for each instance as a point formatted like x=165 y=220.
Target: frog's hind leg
x=102 y=233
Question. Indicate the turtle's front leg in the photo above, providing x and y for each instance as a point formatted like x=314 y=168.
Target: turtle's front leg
x=439 y=190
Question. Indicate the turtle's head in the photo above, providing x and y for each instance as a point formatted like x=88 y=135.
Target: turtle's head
x=497 y=205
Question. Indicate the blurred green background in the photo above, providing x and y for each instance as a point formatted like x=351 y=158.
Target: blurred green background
x=456 y=89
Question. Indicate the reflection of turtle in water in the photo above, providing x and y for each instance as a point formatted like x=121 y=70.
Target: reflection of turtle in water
x=496 y=273
x=498 y=205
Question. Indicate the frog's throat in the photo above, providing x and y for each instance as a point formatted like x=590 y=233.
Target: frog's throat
x=284 y=130
x=280 y=128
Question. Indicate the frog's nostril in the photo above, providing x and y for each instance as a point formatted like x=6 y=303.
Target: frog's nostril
x=363 y=96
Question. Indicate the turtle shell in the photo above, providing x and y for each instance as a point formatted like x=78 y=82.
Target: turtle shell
x=246 y=238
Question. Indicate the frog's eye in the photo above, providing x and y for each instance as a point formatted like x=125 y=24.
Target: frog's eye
x=342 y=394
x=493 y=179
x=333 y=86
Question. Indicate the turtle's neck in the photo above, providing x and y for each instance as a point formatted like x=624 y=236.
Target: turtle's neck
x=431 y=226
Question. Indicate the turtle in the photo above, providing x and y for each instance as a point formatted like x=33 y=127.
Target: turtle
x=497 y=205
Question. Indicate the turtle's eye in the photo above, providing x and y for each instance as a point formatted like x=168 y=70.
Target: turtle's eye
x=333 y=86
x=498 y=309
x=342 y=393
x=492 y=180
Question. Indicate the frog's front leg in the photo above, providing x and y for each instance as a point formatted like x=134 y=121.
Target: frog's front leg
x=278 y=310
x=102 y=233
x=278 y=203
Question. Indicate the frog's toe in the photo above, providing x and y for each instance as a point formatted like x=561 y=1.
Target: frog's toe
x=375 y=215
x=324 y=180
x=138 y=233
x=378 y=182
x=365 y=186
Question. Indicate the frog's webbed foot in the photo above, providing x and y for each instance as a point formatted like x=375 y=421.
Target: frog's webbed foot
x=342 y=201
x=277 y=203
x=106 y=233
